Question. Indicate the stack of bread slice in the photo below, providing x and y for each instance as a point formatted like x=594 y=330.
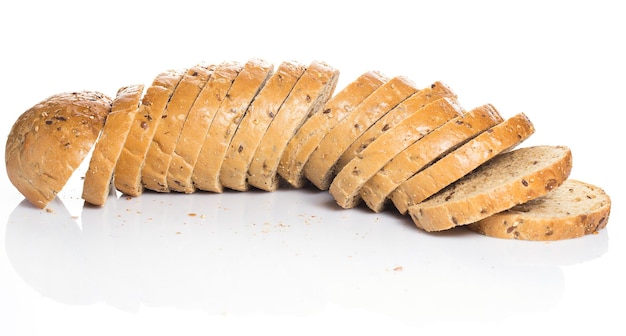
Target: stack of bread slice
x=378 y=142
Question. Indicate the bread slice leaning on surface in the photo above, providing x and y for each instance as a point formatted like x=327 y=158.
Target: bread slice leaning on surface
x=254 y=124
x=432 y=146
x=308 y=137
x=50 y=140
x=159 y=156
x=461 y=161
x=127 y=174
x=505 y=181
x=195 y=128
x=251 y=79
x=320 y=168
x=346 y=186
x=97 y=183
x=571 y=210
x=308 y=97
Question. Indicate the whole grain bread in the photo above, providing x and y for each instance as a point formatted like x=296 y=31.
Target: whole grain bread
x=509 y=179
x=572 y=210
x=50 y=140
x=97 y=183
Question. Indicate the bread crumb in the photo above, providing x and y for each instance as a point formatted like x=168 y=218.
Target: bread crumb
x=398 y=268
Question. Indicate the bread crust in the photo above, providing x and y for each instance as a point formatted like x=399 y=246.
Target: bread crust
x=50 y=140
x=127 y=174
x=255 y=123
x=509 y=179
x=462 y=161
x=308 y=137
x=320 y=168
x=426 y=150
x=253 y=76
x=97 y=183
x=195 y=128
x=346 y=186
x=308 y=97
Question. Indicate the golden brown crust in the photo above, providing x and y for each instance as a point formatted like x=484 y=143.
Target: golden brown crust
x=572 y=210
x=96 y=186
x=50 y=140
x=507 y=180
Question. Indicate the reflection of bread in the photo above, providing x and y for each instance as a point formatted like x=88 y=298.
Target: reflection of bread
x=107 y=150
x=572 y=210
x=50 y=140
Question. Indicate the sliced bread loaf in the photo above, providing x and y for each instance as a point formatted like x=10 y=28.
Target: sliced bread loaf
x=308 y=137
x=509 y=179
x=195 y=128
x=254 y=124
x=308 y=97
x=206 y=174
x=347 y=185
x=571 y=210
x=432 y=146
x=461 y=161
x=320 y=168
x=97 y=182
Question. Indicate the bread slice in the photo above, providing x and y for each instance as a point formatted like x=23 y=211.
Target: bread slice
x=462 y=161
x=50 y=140
x=418 y=100
x=308 y=97
x=432 y=146
x=509 y=179
x=308 y=137
x=347 y=185
x=127 y=174
x=159 y=155
x=260 y=114
x=320 y=168
x=571 y=210
x=195 y=128
x=97 y=183
x=206 y=174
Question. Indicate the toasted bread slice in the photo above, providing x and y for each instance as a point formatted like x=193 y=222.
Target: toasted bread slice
x=195 y=128
x=571 y=210
x=308 y=137
x=97 y=182
x=251 y=79
x=320 y=168
x=127 y=174
x=418 y=100
x=159 y=155
x=254 y=124
x=462 y=161
x=347 y=185
x=509 y=179
x=433 y=145
x=308 y=97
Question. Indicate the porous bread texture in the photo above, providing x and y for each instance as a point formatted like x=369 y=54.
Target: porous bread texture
x=97 y=182
x=50 y=140
x=509 y=179
x=195 y=128
x=308 y=137
x=249 y=81
x=261 y=112
x=347 y=184
x=320 y=168
x=571 y=210
x=432 y=146
x=127 y=174
x=461 y=161
x=308 y=97
x=159 y=156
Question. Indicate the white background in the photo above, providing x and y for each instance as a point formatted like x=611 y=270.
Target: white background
x=292 y=262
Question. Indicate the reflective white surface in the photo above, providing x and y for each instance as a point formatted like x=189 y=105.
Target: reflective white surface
x=292 y=262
